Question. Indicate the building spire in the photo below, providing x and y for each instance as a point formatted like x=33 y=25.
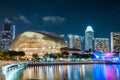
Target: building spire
x=89 y=29
x=7 y=20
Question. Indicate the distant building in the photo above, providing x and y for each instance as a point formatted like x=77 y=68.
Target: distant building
x=66 y=43
x=71 y=50
x=71 y=42
x=8 y=34
x=101 y=44
x=62 y=35
x=74 y=41
x=89 y=36
x=81 y=42
x=115 y=41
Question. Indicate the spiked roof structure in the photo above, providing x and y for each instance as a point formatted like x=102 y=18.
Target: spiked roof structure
x=89 y=29
x=7 y=20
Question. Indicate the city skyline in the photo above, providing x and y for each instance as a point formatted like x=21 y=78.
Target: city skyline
x=63 y=16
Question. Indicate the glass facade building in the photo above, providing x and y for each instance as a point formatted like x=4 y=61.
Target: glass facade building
x=81 y=42
x=101 y=44
x=115 y=41
x=74 y=41
x=71 y=40
x=38 y=42
x=8 y=34
x=89 y=36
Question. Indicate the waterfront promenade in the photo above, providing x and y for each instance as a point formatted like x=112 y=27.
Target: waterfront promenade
x=69 y=63
x=60 y=63
x=3 y=63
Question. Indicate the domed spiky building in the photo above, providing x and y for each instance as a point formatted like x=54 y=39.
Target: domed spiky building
x=37 y=42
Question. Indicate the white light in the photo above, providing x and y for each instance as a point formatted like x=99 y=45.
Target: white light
x=70 y=35
x=76 y=36
x=89 y=28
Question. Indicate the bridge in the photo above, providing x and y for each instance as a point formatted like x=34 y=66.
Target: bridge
x=7 y=67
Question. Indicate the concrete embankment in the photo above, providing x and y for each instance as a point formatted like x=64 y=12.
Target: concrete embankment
x=61 y=63
x=5 y=63
x=69 y=63
x=2 y=77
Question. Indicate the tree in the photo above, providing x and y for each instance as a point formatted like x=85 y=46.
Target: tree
x=1 y=55
x=59 y=55
x=90 y=50
x=46 y=55
x=75 y=55
x=35 y=56
x=85 y=55
x=65 y=54
x=52 y=55
x=6 y=56
x=21 y=53
x=12 y=54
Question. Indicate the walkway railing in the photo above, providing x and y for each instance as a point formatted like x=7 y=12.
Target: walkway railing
x=64 y=63
x=71 y=63
x=5 y=65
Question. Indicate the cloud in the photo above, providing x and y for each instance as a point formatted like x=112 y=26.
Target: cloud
x=22 y=18
x=53 y=19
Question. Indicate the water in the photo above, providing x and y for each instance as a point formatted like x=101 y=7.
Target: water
x=69 y=72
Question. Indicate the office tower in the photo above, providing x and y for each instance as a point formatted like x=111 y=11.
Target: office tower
x=101 y=44
x=74 y=41
x=81 y=42
x=89 y=36
x=8 y=34
x=66 y=43
x=70 y=40
x=115 y=41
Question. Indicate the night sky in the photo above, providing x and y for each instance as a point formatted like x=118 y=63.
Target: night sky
x=63 y=16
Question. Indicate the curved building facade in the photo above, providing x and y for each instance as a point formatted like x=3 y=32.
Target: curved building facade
x=37 y=42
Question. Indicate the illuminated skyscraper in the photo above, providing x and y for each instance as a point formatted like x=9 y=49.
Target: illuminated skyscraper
x=89 y=36
x=71 y=42
x=8 y=34
x=74 y=41
x=81 y=42
x=115 y=41
x=101 y=44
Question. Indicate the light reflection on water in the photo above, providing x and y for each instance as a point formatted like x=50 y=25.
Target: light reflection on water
x=70 y=72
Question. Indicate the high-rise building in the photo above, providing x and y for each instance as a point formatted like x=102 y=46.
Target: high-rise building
x=115 y=41
x=89 y=36
x=66 y=43
x=101 y=44
x=81 y=42
x=8 y=34
x=71 y=42
x=74 y=41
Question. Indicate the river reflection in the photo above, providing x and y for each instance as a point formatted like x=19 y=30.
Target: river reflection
x=70 y=72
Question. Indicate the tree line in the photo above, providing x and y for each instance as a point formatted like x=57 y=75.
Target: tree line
x=63 y=55
x=11 y=55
